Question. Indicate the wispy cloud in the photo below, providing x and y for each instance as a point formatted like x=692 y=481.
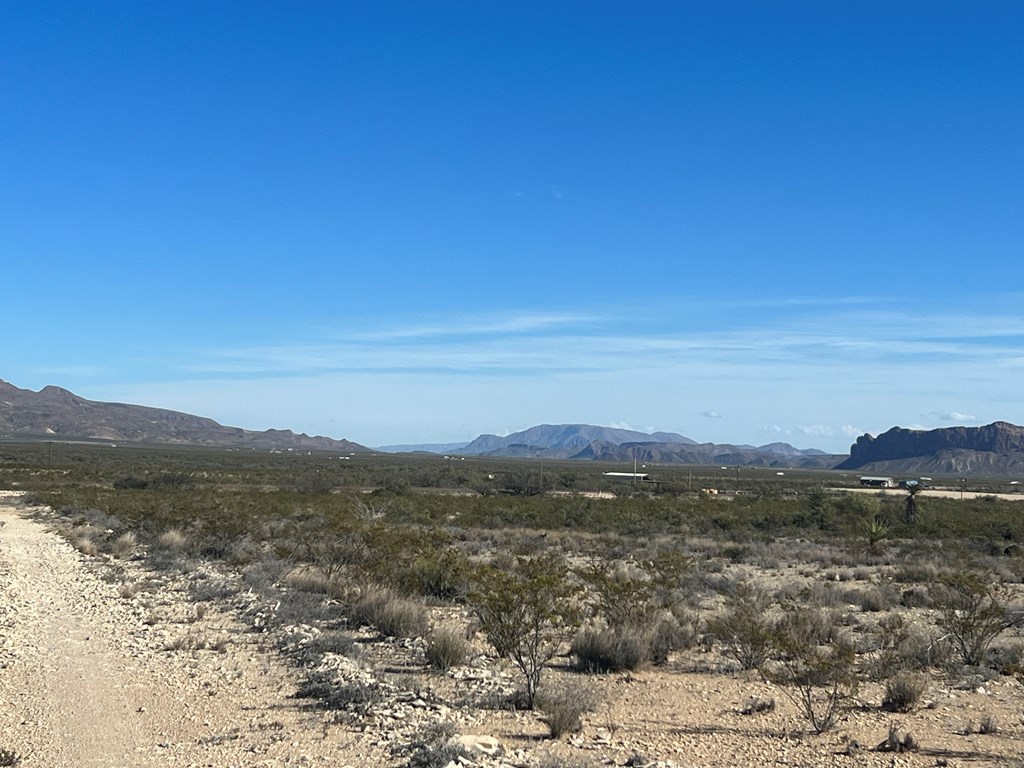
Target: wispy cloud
x=947 y=416
x=814 y=371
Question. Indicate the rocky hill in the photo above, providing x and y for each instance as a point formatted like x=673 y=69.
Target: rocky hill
x=589 y=442
x=562 y=440
x=55 y=413
x=708 y=453
x=994 y=449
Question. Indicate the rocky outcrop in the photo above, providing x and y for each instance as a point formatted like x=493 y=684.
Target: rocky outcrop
x=996 y=448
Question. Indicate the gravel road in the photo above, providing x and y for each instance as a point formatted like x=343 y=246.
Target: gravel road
x=85 y=679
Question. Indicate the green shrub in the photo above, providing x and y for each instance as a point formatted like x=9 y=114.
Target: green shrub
x=526 y=612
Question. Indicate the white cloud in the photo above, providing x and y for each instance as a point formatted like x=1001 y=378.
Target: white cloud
x=851 y=431
x=621 y=425
x=816 y=430
x=711 y=414
x=955 y=416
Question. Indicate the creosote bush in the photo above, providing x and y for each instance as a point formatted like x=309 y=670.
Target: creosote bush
x=526 y=612
x=972 y=612
x=815 y=673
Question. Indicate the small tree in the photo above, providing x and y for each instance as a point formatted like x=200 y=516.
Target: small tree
x=526 y=613
x=972 y=612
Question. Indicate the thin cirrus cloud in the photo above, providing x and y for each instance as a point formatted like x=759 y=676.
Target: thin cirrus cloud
x=588 y=341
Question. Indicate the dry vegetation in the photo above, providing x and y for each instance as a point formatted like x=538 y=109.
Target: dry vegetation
x=784 y=623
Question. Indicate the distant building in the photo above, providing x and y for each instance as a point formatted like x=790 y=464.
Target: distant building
x=626 y=476
x=877 y=482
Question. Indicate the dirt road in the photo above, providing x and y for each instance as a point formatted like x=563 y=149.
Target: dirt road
x=85 y=679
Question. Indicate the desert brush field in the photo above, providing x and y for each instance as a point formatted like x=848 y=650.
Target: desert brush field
x=213 y=608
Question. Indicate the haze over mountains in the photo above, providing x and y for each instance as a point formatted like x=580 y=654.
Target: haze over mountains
x=589 y=442
x=56 y=413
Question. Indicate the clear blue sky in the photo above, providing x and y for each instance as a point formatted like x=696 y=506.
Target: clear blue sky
x=411 y=222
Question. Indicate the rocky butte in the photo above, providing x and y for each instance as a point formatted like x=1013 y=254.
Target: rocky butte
x=994 y=449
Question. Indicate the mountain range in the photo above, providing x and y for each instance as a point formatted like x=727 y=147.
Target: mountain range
x=589 y=442
x=55 y=413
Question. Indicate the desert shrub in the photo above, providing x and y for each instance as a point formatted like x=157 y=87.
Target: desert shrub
x=86 y=546
x=393 y=615
x=744 y=629
x=8 y=757
x=433 y=748
x=1006 y=659
x=903 y=692
x=563 y=707
x=131 y=482
x=526 y=612
x=309 y=580
x=610 y=649
x=873 y=529
x=670 y=633
x=355 y=696
x=441 y=574
x=446 y=648
x=972 y=612
x=621 y=596
x=901 y=647
x=818 y=677
x=124 y=545
x=172 y=539
x=915 y=597
x=872 y=599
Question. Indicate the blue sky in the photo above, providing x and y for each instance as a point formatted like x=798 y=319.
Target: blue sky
x=413 y=222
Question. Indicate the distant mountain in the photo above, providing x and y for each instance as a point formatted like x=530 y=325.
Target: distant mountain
x=562 y=440
x=708 y=453
x=994 y=449
x=588 y=442
x=424 y=448
x=55 y=413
